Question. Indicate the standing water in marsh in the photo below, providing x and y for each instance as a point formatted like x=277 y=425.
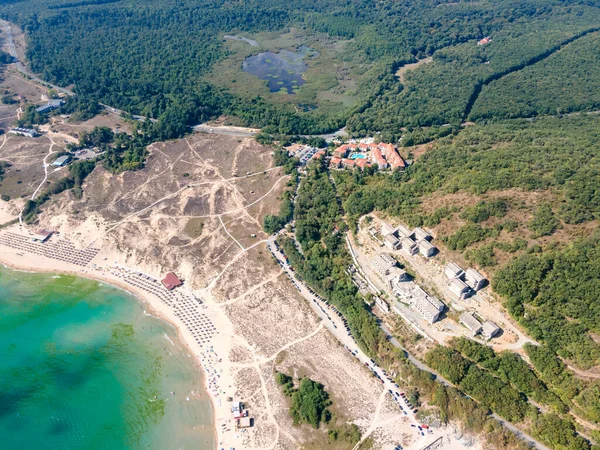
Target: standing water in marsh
x=83 y=366
x=282 y=70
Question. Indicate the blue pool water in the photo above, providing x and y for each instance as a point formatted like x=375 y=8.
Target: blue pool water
x=357 y=156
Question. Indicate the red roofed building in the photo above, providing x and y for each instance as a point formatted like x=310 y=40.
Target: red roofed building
x=363 y=147
x=352 y=146
x=341 y=151
x=386 y=148
x=335 y=163
x=42 y=235
x=319 y=154
x=378 y=158
x=347 y=162
x=171 y=281
x=395 y=160
x=362 y=163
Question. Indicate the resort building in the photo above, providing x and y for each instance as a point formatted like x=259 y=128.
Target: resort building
x=403 y=231
x=420 y=234
x=475 y=279
x=409 y=245
x=341 y=152
x=459 y=288
x=378 y=159
x=393 y=158
x=335 y=162
x=426 y=248
x=386 y=229
x=382 y=263
x=347 y=163
x=429 y=307
x=171 y=281
x=363 y=163
x=453 y=270
x=469 y=321
x=391 y=242
x=489 y=329
x=365 y=154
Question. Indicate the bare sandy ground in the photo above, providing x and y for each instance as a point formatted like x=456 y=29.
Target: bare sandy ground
x=254 y=322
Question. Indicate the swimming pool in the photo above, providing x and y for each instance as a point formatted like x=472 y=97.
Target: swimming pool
x=357 y=156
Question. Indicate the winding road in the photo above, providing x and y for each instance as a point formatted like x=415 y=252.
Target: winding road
x=340 y=334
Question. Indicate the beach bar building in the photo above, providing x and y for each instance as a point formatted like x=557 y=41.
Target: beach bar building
x=42 y=235
x=171 y=281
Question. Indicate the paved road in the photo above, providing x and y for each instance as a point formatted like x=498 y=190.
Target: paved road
x=21 y=68
x=334 y=322
x=225 y=130
x=337 y=328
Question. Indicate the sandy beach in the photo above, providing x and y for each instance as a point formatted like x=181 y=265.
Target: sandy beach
x=210 y=357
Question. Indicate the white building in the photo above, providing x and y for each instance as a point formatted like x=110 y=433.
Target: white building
x=382 y=263
x=396 y=276
x=489 y=329
x=475 y=279
x=409 y=245
x=24 y=132
x=459 y=288
x=453 y=270
x=472 y=324
x=420 y=234
x=403 y=231
x=386 y=229
x=391 y=242
x=429 y=307
x=426 y=248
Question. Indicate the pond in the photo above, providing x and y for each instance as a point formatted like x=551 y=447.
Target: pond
x=282 y=70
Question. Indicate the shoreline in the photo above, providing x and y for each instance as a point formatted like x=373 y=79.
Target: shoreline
x=10 y=259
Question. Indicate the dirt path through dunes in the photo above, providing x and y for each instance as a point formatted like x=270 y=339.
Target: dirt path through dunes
x=46 y=165
x=179 y=191
x=375 y=422
x=229 y=234
x=252 y=289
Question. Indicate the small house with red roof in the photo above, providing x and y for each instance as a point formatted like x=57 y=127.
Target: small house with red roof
x=171 y=281
x=379 y=159
x=347 y=163
x=362 y=163
x=335 y=163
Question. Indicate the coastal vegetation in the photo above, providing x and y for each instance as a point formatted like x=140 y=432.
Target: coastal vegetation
x=168 y=60
x=310 y=403
x=73 y=181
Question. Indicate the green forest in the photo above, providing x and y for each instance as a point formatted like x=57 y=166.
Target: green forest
x=152 y=58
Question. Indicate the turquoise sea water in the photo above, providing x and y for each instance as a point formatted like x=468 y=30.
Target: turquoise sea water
x=83 y=367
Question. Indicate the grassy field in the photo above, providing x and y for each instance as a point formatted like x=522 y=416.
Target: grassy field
x=331 y=77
